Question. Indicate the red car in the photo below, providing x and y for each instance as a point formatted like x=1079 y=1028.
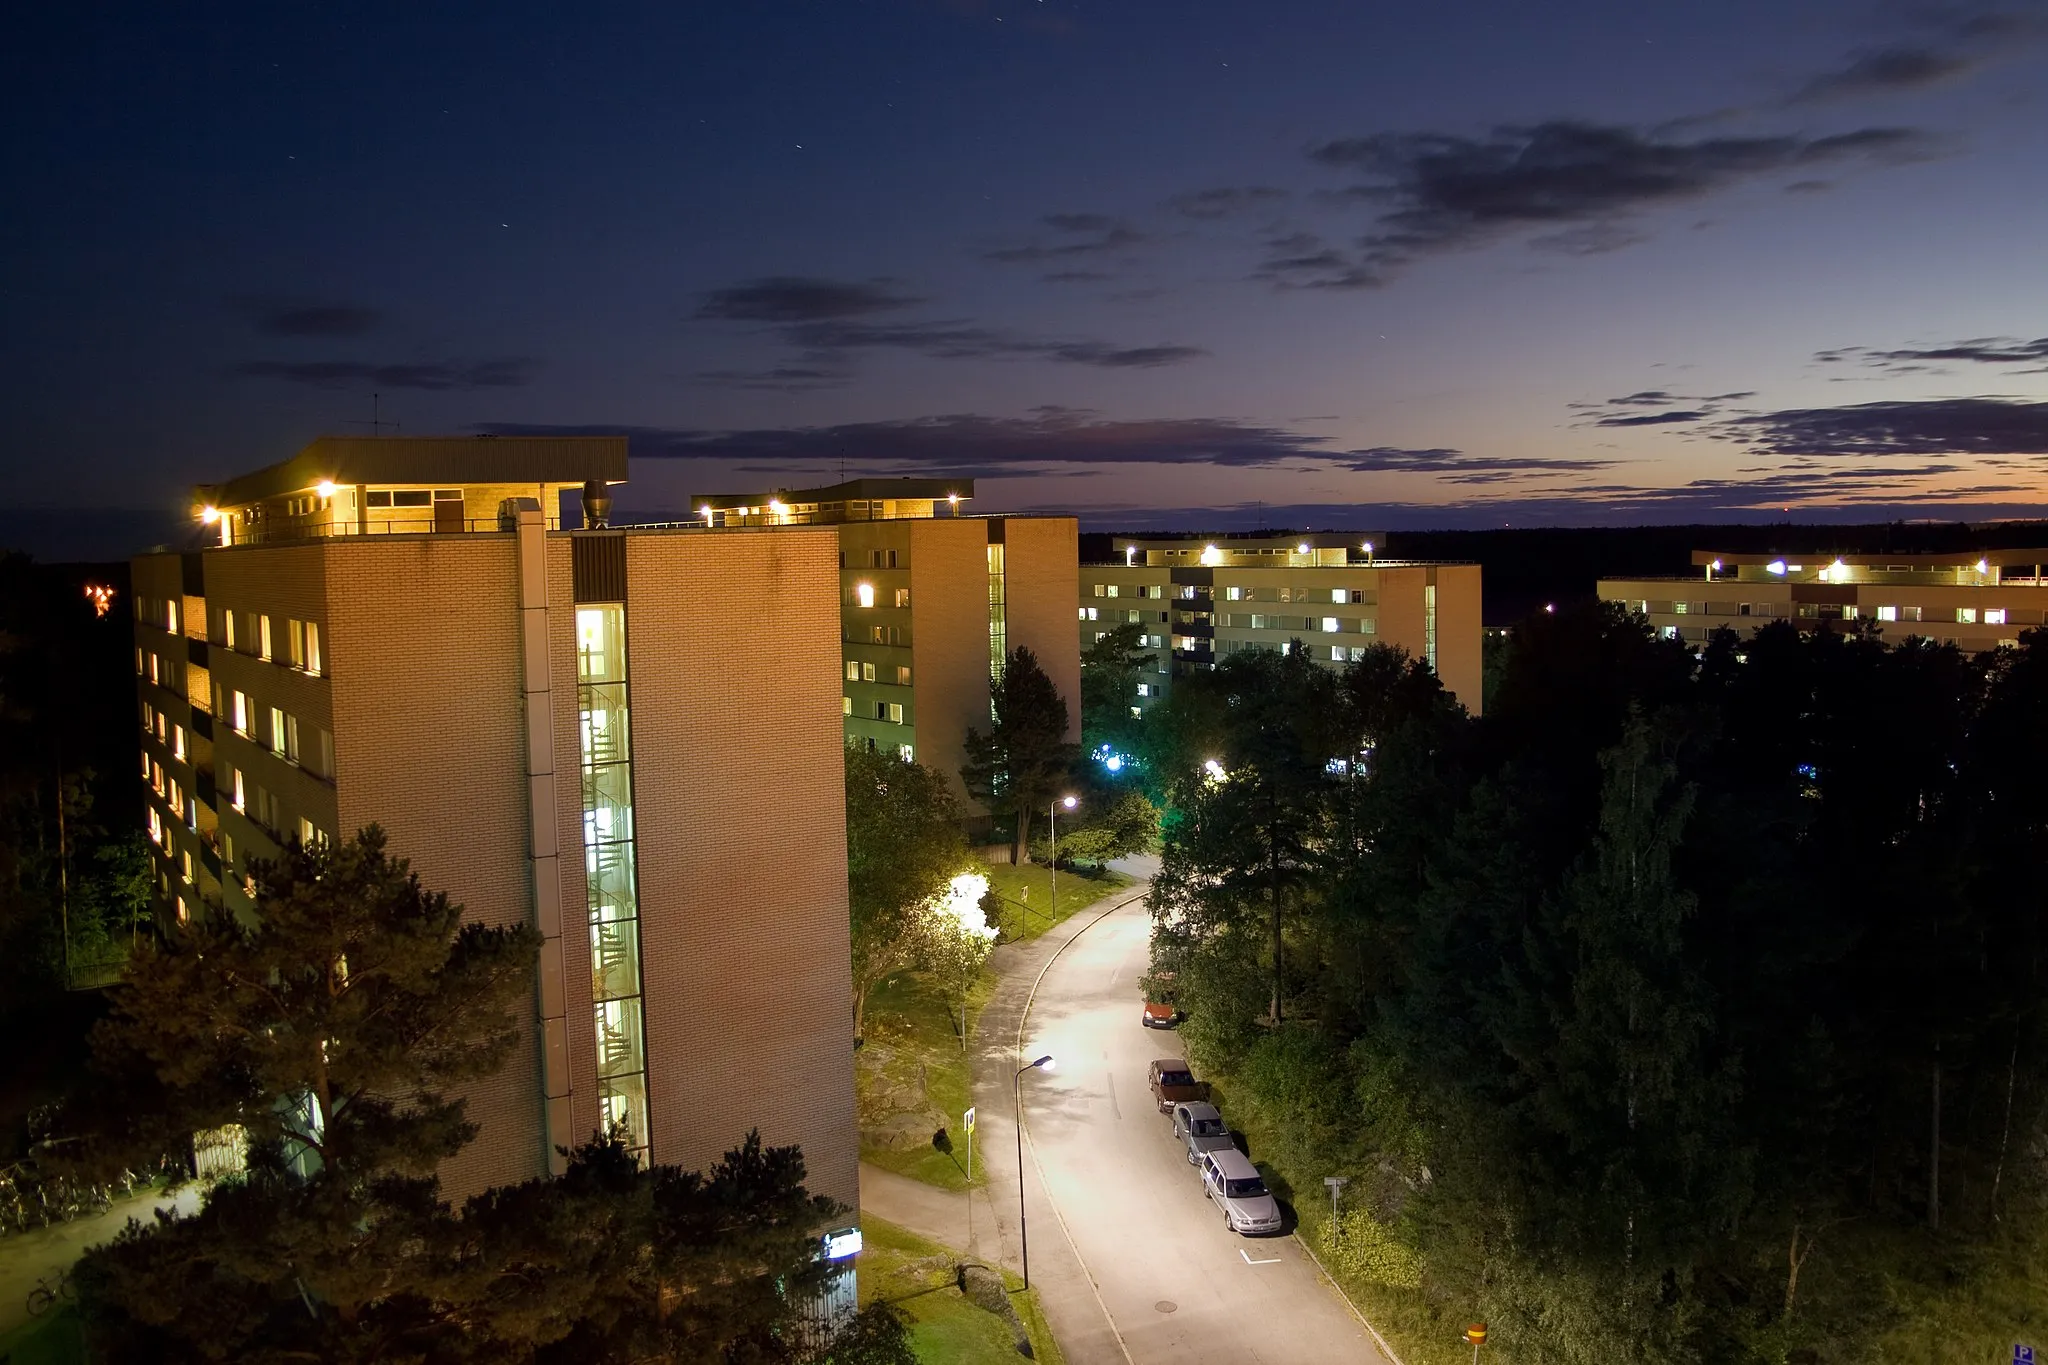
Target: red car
x=1160 y=1011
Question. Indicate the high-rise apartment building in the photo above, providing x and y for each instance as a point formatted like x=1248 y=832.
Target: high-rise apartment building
x=931 y=600
x=1200 y=598
x=1977 y=600
x=628 y=738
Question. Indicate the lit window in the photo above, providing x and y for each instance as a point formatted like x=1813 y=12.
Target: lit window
x=1331 y=625
x=1337 y=654
x=1081 y=613
x=864 y=593
x=1101 y=591
x=1849 y=611
x=846 y=706
x=852 y=671
x=1112 y=590
x=902 y=597
x=145 y=767
x=1668 y=632
x=277 y=729
x=306 y=831
x=316 y=661
x=227 y=629
x=867 y=672
x=903 y=751
x=1966 y=616
x=263 y=637
x=241 y=799
x=155 y=670
x=1994 y=616
x=896 y=712
x=241 y=713
x=1339 y=595
x=903 y=675
x=178 y=741
x=1887 y=613
x=1144 y=689
x=1136 y=713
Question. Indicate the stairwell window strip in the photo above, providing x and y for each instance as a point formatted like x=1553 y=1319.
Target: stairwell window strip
x=611 y=869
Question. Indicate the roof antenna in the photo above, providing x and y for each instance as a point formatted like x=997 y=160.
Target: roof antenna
x=376 y=424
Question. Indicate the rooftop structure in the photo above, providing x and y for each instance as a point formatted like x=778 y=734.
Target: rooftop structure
x=854 y=500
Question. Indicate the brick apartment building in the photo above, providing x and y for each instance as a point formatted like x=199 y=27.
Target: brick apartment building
x=1977 y=600
x=625 y=737
x=1201 y=598
x=931 y=600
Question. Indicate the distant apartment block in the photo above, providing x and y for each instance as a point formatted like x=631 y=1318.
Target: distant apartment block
x=931 y=600
x=1200 y=599
x=1975 y=600
x=627 y=738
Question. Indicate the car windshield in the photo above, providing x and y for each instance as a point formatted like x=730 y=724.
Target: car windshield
x=1208 y=1127
x=1176 y=1077
x=1244 y=1189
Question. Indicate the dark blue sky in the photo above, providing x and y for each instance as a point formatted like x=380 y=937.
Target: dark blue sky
x=1461 y=263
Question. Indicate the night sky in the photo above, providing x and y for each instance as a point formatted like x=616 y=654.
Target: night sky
x=1189 y=263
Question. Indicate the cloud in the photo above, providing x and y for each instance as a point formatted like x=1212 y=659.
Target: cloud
x=799 y=298
x=1672 y=409
x=1056 y=438
x=1582 y=182
x=1097 y=233
x=963 y=340
x=1075 y=277
x=825 y=322
x=1224 y=200
x=299 y=318
x=780 y=379
x=1939 y=426
x=1653 y=419
x=510 y=372
x=1884 y=71
x=1916 y=359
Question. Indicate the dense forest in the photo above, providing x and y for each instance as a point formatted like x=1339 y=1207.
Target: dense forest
x=1683 y=1008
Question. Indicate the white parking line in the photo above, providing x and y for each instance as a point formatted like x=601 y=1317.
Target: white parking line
x=1249 y=1261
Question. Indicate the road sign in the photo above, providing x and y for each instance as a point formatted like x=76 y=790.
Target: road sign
x=2022 y=1354
x=968 y=1122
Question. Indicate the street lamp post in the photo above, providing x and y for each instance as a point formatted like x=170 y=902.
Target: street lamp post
x=1044 y=1063
x=1052 y=818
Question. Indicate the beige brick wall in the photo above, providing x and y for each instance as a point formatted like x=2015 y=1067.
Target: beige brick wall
x=424 y=660
x=739 y=794
x=1042 y=566
x=949 y=668
x=1459 y=634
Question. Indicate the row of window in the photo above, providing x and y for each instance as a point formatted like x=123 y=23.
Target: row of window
x=166 y=671
x=1130 y=590
x=1328 y=625
x=1359 y=595
x=1130 y=615
x=875 y=559
x=167 y=731
x=864 y=595
x=876 y=635
x=1850 y=611
x=278 y=731
x=250 y=632
x=890 y=711
x=410 y=497
x=861 y=671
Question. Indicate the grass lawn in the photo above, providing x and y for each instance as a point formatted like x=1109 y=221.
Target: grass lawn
x=1027 y=894
x=50 y=1340
x=911 y=1024
x=917 y=1276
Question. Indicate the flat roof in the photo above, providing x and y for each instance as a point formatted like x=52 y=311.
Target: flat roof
x=1954 y=559
x=448 y=461
x=853 y=490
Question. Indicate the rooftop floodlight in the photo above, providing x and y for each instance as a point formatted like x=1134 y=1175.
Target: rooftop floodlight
x=209 y=514
x=1983 y=566
x=1776 y=566
x=1211 y=556
x=1302 y=548
x=325 y=488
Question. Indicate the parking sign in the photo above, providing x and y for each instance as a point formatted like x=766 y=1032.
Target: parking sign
x=2022 y=1354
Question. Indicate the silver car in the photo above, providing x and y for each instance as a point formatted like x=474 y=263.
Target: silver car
x=1199 y=1129
x=1229 y=1178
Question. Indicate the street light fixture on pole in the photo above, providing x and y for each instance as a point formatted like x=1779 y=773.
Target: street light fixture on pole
x=1044 y=1063
x=1052 y=818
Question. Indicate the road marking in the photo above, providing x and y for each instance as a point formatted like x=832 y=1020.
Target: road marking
x=1111 y=1078
x=1249 y=1261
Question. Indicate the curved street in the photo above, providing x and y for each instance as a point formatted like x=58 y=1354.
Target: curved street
x=1175 y=1285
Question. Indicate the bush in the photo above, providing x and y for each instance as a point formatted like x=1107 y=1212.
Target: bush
x=1359 y=1245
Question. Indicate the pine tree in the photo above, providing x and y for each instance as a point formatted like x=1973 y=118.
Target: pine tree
x=1015 y=768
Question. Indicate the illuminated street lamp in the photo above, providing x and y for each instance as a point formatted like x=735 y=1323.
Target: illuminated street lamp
x=1044 y=1063
x=1052 y=813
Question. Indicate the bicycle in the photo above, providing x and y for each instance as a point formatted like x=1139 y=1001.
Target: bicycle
x=48 y=1293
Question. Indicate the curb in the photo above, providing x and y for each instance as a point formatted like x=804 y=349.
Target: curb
x=1345 y=1295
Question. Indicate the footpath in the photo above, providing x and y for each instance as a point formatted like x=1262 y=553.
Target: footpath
x=45 y=1253
x=1066 y=1294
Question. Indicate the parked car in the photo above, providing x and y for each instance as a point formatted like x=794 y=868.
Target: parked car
x=1230 y=1179
x=1172 y=1082
x=1199 y=1129
x=1160 y=1010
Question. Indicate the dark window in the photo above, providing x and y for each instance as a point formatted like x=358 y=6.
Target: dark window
x=380 y=497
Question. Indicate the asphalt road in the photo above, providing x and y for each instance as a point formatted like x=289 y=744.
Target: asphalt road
x=1176 y=1284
